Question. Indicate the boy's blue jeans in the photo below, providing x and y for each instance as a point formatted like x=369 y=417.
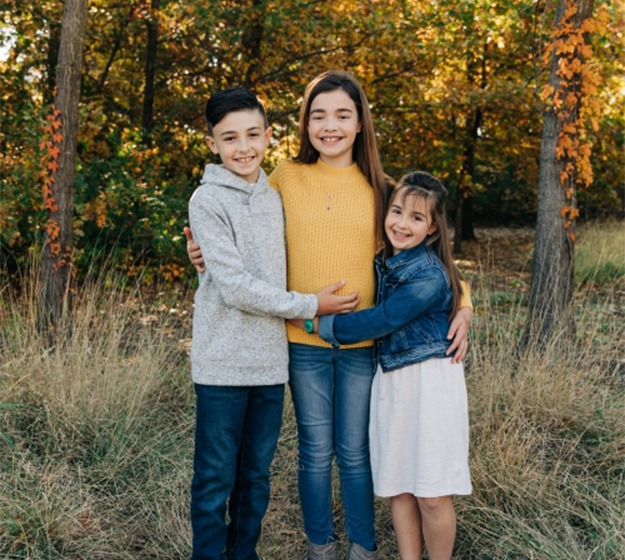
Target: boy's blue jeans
x=331 y=389
x=236 y=434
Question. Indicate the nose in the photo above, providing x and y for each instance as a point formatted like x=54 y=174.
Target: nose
x=243 y=145
x=330 y=123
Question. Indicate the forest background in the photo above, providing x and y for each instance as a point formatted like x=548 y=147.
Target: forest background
x=455 y=89
x=97 y=415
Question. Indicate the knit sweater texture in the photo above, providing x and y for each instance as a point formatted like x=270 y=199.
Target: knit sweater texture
x=241 y=301
x=330 y=233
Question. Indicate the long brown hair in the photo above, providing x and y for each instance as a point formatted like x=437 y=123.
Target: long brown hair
x=422 y=185
x=365 y=150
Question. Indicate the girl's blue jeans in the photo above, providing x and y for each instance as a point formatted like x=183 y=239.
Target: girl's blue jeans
x=331 y=390
x=236 y=434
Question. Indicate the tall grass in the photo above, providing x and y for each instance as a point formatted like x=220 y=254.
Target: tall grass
x=96 y=432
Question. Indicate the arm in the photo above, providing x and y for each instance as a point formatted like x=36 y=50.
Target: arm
x=459 y=328
x=242 y=290
x=407 y=302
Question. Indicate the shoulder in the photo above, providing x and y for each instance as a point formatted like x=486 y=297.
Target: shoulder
x=286 y=172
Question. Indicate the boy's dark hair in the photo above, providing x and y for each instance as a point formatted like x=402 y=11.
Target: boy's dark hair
x=229 y=100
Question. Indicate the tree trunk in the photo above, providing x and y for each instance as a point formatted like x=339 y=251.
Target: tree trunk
x=150 y=73
x=551 y=291
x=252 y=41
x=464 y=210
x=56 y=274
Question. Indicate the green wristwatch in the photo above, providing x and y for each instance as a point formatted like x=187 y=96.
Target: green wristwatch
x=309 y=326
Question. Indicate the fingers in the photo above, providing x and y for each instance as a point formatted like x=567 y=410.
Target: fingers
x=187 y=233
x=349 y=303
x=334 y=287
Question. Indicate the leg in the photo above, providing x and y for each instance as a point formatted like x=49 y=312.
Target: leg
x=250 y=496
x=312 y=387
x=354 y=370
x=407 y=526
x=219 y=421
x=439 y=526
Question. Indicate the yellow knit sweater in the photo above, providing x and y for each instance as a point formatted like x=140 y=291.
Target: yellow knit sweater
x=329 y=213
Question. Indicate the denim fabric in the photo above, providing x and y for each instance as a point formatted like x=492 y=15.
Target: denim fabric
x=236 y=435
x=411 y=317
x=331 y=390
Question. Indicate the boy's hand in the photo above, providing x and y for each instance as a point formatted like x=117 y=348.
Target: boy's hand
x=328 y=303
x=459 y=331
x=193 y=251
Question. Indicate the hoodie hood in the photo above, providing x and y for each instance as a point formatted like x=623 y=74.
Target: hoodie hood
x=218 y=175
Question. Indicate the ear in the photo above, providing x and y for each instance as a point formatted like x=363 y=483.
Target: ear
x=210 y=142
x=432 y=229
x=359 y=127
x=268 y=134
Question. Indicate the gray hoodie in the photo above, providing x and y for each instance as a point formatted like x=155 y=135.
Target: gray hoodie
x=240 y=305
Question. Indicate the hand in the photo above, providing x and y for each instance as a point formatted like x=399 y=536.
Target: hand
x=459 y=331
x=193 y=251
x=328 y=303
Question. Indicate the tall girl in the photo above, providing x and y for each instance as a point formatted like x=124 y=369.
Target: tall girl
x=419 y=428
x=333 y=194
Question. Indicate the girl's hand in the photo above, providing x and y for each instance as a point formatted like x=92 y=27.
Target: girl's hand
x=459 y=331
x=329 y=304
x=194 y=251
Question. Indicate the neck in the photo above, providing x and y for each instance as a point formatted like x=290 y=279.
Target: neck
x=345 y=161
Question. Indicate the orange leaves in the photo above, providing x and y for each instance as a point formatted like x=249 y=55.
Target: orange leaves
x=51 y=151
x=572 y=100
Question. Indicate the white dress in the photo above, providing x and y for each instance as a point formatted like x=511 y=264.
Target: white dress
x=419 y=430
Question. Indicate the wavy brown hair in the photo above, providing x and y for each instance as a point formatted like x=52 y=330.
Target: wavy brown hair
x=422 y=185
x=365 y=150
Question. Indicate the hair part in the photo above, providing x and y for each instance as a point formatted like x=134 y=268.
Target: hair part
x=226 y=101
x=424 y=186
x=365 y=150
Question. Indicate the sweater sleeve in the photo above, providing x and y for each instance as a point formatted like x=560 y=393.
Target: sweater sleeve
x=225 y=268
x=465 y=296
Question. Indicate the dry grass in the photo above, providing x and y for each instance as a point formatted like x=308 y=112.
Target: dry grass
x=96 y=432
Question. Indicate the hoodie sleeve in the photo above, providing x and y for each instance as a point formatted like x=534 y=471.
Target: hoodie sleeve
x=225 y=267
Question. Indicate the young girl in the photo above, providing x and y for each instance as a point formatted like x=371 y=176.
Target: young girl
x=419 y=428
x=333 y=194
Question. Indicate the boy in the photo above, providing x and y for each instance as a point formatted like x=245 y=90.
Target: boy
x=239 y=351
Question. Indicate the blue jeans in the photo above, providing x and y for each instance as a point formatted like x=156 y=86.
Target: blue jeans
x=331 y=390
x=236 y=434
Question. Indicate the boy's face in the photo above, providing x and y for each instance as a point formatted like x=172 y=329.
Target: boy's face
x=240 y=140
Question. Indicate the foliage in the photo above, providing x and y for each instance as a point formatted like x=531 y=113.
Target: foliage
x=430 y=69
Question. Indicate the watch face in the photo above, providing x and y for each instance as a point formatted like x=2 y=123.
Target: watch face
x=309 y=326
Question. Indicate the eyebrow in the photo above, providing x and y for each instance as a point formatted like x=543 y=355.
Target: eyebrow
x=341 y=110
x=251 y=129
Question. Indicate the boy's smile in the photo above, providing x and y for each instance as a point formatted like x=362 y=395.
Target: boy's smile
x=240 y=139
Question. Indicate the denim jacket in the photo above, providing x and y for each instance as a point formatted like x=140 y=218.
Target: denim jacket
x=413 y=302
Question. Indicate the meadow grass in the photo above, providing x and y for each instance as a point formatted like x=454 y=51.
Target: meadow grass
x=96 y=430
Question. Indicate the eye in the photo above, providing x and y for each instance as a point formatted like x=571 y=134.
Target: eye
x=228 y=138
